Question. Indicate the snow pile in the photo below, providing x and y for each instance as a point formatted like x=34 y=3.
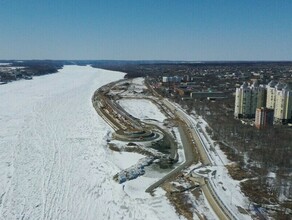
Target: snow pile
x=180 y=150
x=134 y=171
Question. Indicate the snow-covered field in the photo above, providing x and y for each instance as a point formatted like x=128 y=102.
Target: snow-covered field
x=142 y=109
x=54 y=162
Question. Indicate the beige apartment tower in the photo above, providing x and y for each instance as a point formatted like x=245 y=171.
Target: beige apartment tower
x=275 y=96
x=271 y=93
x=283 y=103
x=248 y=98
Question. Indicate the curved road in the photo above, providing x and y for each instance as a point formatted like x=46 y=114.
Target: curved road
x=189 y=159
x=191 y=141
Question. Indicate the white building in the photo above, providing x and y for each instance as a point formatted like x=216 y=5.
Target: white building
x=276 y=96
x=174 y=79
x=271 y=93
x=283 y=103
x=165 y=79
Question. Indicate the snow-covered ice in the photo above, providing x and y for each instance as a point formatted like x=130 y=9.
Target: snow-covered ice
x=119 y=159
x=54 y=160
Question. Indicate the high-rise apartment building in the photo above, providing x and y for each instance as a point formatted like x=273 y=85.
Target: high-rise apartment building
x=283 y=103
x=275 y=96
x=271 y=93
x=242 y=101
x=248 y=98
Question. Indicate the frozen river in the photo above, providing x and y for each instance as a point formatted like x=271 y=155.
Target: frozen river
x=54 y=163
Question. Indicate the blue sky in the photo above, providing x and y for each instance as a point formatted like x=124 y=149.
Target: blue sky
x=192 y=30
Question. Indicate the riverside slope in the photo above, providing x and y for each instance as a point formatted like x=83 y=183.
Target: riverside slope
x=54 y=163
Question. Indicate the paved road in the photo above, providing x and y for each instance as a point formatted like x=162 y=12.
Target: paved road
x=189 y=159
x=191 y=139
x=214 y=200
x=188 y=136
x=191 y=128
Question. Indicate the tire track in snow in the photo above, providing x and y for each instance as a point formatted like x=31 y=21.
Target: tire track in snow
x=58 y=174
x=40 y=123
x=9 y=172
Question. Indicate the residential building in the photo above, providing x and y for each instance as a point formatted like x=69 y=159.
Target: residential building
x=248 y=98
x=283 y=103
x=271 y=94
x=264 y=117
x=171 y=79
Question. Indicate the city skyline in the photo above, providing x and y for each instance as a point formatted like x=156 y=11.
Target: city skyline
x=146 y=30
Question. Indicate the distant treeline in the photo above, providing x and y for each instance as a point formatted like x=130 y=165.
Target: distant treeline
x=27 y=69
x=159 y=68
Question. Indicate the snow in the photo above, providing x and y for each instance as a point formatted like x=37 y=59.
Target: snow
x=15 y=67
x=119 y=159
x=134 y=171
x=142 y=109
x=180 y=150
x=54 y=160
x=136 y=187
x=227 y=189
x=139 y=81
x=7 y=68
x=271 y=175
x=203 y=207
x=138 y=84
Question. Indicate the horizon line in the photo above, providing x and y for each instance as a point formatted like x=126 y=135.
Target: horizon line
x=146 y=60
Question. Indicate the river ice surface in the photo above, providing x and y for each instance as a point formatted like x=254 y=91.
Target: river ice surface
x=54 y=162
